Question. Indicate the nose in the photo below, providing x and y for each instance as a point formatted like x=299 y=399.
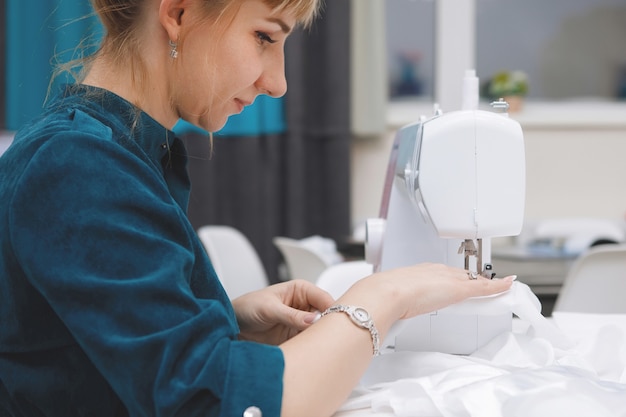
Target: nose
x=272 y=80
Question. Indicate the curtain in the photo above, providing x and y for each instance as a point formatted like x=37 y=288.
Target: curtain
x=295 y=183
x=39 y=34
x=2 y=65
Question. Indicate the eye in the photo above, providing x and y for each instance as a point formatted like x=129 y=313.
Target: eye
x=264 y=37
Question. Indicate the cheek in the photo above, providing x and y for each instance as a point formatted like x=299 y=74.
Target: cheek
x=240 y=64
x=192 y=83
x=196 y=74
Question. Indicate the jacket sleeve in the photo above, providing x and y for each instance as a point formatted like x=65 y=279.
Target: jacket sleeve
x=100 y=237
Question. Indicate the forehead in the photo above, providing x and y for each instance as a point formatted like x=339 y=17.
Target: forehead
x=260 y=10
x=303 y=11
x=220 y=14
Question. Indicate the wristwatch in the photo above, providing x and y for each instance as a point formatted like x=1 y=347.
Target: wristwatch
x=361 y=318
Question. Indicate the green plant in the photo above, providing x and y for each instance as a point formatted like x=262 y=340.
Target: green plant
x=508 y=83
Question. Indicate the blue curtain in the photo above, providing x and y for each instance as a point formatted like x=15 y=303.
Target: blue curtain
x=40 y=33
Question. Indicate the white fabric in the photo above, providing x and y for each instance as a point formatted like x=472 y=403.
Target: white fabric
x=570 y=365
x=325 y=248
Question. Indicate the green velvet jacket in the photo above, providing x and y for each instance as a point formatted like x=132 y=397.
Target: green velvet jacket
x=109 y=305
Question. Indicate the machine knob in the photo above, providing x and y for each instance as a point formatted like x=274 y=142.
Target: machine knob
x=374 y=234
x=500 y=105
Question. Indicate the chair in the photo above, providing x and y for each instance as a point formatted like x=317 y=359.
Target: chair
x=301 y=260
x=596 y=283
x=235 y=260
x=336 y=279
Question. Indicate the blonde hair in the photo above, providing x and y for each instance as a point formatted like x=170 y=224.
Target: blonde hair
x=122 y=18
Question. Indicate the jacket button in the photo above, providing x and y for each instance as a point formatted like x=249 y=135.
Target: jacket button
x=253 y=412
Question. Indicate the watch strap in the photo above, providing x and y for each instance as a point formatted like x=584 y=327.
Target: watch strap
x=361 y=318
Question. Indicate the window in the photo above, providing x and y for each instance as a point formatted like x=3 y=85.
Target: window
x=568 y=48
x=410 y=30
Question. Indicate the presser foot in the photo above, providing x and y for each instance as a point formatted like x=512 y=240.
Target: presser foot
x=469 y=249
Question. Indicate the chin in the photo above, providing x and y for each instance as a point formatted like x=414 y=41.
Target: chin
x=210 y=125
x=214 y=122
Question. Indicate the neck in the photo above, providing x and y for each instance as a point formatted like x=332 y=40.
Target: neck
x=148 y=92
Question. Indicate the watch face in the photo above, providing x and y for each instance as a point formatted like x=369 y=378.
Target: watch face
x=361 y=315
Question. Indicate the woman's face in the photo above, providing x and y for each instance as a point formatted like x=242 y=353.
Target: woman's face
x=219 y=72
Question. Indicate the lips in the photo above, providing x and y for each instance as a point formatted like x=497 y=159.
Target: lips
x=241 y=104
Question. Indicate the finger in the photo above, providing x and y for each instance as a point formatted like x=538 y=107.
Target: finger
x=486 y=286
x=296 y=319
x=315 y=297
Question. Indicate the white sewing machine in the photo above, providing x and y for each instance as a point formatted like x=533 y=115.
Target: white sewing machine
x=454 y=181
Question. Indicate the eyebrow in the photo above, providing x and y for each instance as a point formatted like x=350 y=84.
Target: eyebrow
x=283 y=26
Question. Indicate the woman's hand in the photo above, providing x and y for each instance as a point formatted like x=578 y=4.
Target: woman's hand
x=277 y=313
x=424 y=288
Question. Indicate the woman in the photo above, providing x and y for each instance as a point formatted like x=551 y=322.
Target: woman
x=110 y=305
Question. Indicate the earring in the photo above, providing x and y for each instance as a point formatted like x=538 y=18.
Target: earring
x=173 y=51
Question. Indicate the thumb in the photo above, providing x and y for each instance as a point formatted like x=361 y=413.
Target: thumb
x=297 y=319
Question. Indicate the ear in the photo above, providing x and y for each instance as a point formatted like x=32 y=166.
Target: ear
x=170 y=16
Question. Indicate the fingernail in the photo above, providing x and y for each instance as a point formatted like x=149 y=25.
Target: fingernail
x=510 y=278
x=312 y=318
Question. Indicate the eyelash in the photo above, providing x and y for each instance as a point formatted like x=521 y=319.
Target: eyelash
x=264 y=37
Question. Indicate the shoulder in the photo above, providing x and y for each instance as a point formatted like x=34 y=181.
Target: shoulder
x=59 y=141
x=80 y=111
x=70 y=152
x=58 y=127
x=73 y=124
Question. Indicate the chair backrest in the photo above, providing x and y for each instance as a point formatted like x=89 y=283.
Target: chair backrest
x=596 y=282
x=336 y=279
x=235 y=260
x=302 y=262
